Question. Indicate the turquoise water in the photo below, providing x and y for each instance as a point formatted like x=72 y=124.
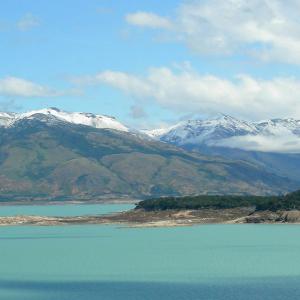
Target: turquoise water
x=107 y=262
x=62 y=210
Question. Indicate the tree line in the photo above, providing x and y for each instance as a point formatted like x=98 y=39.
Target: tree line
x=272 y=203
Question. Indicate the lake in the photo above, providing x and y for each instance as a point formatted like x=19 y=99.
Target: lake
x=62 y=210
x=107 y=262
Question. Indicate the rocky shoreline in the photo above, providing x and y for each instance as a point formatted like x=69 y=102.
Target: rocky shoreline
x=168 y=218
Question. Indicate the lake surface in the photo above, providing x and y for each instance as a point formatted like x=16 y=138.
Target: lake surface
x=106 y=262
x=62 y=210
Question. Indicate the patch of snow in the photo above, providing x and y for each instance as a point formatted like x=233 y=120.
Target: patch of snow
x=88 y=119
x=6 y=119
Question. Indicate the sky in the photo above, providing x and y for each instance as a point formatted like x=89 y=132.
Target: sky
x=152 y=63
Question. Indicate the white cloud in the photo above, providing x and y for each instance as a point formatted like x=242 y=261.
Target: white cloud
x=187 y=91
x=267 y=29
x=286 y=142
x=13 y=86
x=147 y=19
x=28 y=22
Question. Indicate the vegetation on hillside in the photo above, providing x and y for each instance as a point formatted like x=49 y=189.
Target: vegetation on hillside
x=272 y=203
x=41 y=161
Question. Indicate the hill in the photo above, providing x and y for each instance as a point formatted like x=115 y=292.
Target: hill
x=43 y=157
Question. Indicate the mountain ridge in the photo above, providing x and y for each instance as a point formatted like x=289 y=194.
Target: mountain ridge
x=55 y=154
x=271 y=144
x=88 y=119
x=214 y=131
x=66 y=161
x=193 y=131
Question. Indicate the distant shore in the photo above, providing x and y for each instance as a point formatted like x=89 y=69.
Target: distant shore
x=168 y=218
x=71 y=202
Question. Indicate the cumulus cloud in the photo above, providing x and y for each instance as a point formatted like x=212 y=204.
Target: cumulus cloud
x=267 y=29
x=13 y=86
x=147 y=19
x=28 y=22
x=186 y=91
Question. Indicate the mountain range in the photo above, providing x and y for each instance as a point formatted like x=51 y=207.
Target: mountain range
x=50 y=154
x=234 y=133
x=272 y=144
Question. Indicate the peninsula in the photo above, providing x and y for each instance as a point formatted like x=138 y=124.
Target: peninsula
x=185 y=211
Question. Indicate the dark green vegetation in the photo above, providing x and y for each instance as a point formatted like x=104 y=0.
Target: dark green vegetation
x=57 y=161
x=272 y=203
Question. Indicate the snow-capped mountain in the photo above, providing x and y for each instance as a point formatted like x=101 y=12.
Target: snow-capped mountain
x=272 y=144
x=273 y=126
x=203 y=131
x=275 y=135
x=54 y=114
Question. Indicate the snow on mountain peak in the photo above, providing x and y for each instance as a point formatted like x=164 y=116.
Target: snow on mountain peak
x=271 y=127
x=6 y=118
x=88 y=119
x=200 y=131
x=274 y=135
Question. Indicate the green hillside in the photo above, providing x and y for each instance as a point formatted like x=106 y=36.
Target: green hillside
x=42 y=161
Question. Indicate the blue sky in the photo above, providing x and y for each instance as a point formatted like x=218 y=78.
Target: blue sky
x=151 y=62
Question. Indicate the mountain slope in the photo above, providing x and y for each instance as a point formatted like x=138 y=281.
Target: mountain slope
x=273 y=144
x=47 y=158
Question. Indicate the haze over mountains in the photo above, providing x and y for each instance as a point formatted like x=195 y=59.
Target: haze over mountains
x=52 y=154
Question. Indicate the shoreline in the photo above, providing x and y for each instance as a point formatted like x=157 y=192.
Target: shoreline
x=170 y=218
x=71 y=202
